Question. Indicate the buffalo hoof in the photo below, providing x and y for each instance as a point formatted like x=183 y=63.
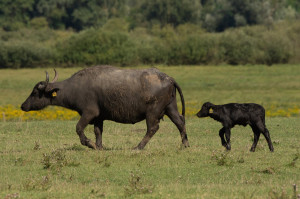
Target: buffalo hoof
x=186 y=144
x=92 y=145
x=138 y=148
x=228 y=147
x=252 y=150
x=100 y=148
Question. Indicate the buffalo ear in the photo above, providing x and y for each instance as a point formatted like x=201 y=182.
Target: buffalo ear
x=42 y=86
x=51 y=90
x=208 y=105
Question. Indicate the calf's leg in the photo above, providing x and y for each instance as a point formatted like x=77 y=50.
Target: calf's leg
x=256 y=133
x=227 y=136
x=221 y=134
x=268 y=138
x=262 y=129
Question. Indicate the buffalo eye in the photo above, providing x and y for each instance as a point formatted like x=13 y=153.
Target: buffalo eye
x=37 y=93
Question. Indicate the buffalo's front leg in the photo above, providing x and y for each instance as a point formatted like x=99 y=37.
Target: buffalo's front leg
x=83 y=122
x=98 y=129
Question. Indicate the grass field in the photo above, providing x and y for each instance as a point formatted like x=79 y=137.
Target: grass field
x=277 y=88
x=44 y=159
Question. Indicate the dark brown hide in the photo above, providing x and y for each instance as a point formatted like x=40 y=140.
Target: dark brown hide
x=107 y=93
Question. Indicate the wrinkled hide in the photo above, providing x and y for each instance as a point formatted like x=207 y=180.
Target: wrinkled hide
x=107 y=93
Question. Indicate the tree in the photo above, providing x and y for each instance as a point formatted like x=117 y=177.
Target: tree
x=80 y=14
x=295 y=4
x=172 y=12
x=14 y=13
x=219 y=15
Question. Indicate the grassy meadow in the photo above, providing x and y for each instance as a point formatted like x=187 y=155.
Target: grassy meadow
x=44 y=159
x=275 y=87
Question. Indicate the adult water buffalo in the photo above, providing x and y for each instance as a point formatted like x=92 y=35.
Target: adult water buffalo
x=108 y=93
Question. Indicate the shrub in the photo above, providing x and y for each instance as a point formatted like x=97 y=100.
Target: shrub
x=112 y=44
x=96 y=46
x=137 y=185
x=276 y=48
x=222 y=158
x=238 y=47
x=194 y=49
x=21 y=54
x=56 y=160
x=152 y=51
x=39 y=22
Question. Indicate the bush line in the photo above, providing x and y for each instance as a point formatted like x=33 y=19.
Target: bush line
x=167 y=45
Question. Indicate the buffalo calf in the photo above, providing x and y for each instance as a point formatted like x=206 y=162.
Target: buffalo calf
x=238 y=114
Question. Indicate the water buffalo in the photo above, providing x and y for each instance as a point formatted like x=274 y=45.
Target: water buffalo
x=108 y=93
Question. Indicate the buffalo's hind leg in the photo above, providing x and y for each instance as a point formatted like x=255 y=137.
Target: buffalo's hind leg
x=82 y=123
x=152 y=127
x=178 y=120
x=98 y=129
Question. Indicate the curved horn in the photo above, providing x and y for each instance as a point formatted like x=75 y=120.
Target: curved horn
x=55 y=77
x=47 y=77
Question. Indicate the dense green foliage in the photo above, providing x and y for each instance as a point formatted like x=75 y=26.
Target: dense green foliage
x=215 y=15
x=130 y=32
x=186 y=44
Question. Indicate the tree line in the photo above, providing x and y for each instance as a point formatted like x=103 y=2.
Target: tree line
x=35 y=33
x=212 y=15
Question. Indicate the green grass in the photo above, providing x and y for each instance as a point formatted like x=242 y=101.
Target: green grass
x=261 y=84
x=45 y=160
